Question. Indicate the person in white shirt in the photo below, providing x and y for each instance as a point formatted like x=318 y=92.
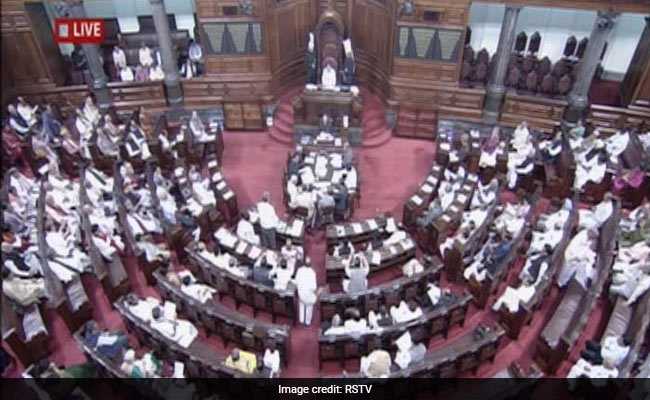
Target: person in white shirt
x=357 y=274
x=413 y=267
x=282 y=274
x=407 y=351
x=90 y=111
x=328 y=79
x=397 y=234
x=26 y=111
x=198 y=291
x=126 y=74
x=376 y=364
x=119 y=58
x=405 y=312
x=272 y=359
x=579 y=259
x=246 y=231
x=268 y=221
x=292 y=191
x=156 y=73
x=291 y=253
x=307 y=288
x=145 y=56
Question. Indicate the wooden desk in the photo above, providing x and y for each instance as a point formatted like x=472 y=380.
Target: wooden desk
x=388 y=256
x=514 y=322
x=259 y=297
x=355 y=232
x=231 y=326
x=419 y=202
x=436 y=320
x=201 y=361
x=565 y=326
x=388 y=294
x=463 y=354
x=312 y=104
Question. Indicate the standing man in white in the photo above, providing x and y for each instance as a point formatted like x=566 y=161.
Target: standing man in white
x=268 y=221
x=305 y=282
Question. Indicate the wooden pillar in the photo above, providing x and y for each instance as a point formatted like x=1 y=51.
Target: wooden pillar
x=635 y=88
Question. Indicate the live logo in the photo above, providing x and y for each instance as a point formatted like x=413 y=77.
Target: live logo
x=79 y=31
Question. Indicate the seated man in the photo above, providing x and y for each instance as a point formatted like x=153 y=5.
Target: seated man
x=357 y=274
x=411 y=268
x=242 y=361
x=108 y=344
x=246 y=231
x=344 y=249
x=405 y=312
x=379 y=319
x=271 y=359
x=154 y=252
x=397 y=233
x=165 y=321
x=146 y=367
x=24 y=291
x=198 y=291
x=292 y=254
x=376 y=364
x=262 y=271
x=580 y=259
x=407 y=351
x=282 y=274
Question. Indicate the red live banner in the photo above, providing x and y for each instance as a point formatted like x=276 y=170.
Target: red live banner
x=79 y=31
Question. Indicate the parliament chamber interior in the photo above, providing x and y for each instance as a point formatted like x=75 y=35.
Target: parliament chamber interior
x=326 y=189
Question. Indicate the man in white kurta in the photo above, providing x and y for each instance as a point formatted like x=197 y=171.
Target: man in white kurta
x=268 y=221
x=306 y=285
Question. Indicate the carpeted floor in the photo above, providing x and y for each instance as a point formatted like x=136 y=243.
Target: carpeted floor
x=254 y=162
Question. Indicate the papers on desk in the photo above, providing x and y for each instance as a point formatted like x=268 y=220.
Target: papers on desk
x=310 y=159
x=340 y=230
x=454 y=209
x=408 y=244
x=372 y=223
x=417 y=200
x=106 y=340
x=296 y=228
x=445 y=146
x=217 y=177
x=241 y=247
x=228 y=195
x=225 y=237
x=426 y=188
x=462 y=198
x=338 y=142
x=169 y=310
x=221 y=185
x=255 y=253
x=392 y=250
x=432 y=180
x=76 y=294
x=375 y=258
x=357 y=228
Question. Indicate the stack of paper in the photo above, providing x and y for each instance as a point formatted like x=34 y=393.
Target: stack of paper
x=372 y=223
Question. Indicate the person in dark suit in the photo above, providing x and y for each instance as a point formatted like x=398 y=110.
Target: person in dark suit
x=262 y=272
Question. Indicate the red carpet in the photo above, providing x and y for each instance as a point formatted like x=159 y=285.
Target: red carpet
x=389 y=171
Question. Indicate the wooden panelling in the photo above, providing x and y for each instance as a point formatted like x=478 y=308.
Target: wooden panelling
x=419 y=107
x=67 y=97
x=610 y=119
x=442 y=73
x=449 y=13
x=136 y=94
x=633 y=6
x=216 y=65
x=635 y=88
x=289 y=25
x=540 y=113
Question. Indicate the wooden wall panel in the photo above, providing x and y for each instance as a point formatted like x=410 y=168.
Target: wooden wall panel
x=217 y=65
x=540 y=113
x=67 y=98
x=371 y=31
x=610 y=119
x=137 y=94
x=290 y=23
